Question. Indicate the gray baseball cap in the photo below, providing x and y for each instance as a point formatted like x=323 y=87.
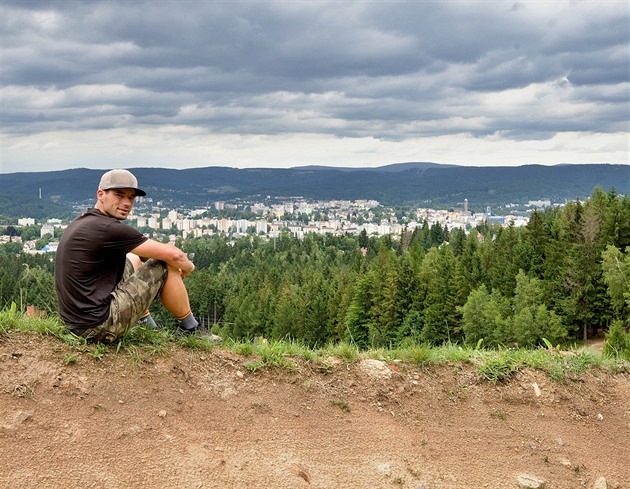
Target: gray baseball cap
x=120 y=179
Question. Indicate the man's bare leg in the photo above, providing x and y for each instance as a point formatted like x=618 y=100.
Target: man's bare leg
x=174 y=295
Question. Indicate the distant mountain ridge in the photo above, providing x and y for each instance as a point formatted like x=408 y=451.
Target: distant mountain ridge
x=420 y=184
x=393 y=167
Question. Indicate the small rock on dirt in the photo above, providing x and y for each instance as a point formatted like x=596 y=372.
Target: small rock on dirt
x=529 y=482
x=536 y=389
x=376 y=368
x=23 y=416
x=601 y=483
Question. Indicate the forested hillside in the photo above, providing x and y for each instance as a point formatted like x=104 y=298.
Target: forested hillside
x=39 y=209
x=424 y=185
x=563 y=277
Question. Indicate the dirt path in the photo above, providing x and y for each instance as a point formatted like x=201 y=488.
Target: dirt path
x=192 y=419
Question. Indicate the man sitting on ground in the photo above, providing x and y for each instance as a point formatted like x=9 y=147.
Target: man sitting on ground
x=104 y=285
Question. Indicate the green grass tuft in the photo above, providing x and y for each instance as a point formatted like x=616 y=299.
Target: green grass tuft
x=419 y=355
x=272 y=354
x=343 y=405
x=496 y=368
x=345 y=351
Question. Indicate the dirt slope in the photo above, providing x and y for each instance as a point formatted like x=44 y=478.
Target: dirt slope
x=193 y=419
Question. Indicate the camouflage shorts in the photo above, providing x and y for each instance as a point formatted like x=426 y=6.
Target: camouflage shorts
x=130 y=299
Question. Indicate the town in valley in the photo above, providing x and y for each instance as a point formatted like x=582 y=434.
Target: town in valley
x=299 y=217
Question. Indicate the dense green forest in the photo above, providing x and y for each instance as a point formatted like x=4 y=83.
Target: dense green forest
x=560 y=279
x=12 y=207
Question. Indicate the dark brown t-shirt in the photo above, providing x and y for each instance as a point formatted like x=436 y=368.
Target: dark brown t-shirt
x=89 y=263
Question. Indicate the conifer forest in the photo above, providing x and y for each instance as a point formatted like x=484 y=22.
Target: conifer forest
x=562 y=278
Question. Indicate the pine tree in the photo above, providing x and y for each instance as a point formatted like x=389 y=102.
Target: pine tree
x=616 y=275
x=359 y=316
x=442 y=321
x=584 y=304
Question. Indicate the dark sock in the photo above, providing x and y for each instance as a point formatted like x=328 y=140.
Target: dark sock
x=148 y=321
x=189 y=322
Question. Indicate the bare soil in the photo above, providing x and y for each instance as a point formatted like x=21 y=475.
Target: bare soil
x=190 y=419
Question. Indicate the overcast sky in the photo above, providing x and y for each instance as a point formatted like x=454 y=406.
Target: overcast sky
x=182 y=84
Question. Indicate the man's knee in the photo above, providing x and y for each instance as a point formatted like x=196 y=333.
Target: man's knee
x=155 y=267
x=135 y=260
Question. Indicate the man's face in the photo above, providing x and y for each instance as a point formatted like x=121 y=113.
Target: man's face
x=116 y=202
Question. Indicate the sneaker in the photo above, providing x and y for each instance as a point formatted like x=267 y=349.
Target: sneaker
x=205 y=333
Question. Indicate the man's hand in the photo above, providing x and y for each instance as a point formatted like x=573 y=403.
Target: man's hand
x=170 y=254
x=184 y=274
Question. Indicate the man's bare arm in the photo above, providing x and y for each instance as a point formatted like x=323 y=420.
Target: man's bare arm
x=172 y=255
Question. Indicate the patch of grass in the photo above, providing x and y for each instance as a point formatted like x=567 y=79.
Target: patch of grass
x=142 y=343
x=499 y=367
x=273 y=355
x=382 y=354
x=10 y=318
x=499 y=414
x=494 y=365
x=98 y=351
x=616 y=366
x=452 y=353
x=537 y=359
x=582 y=361
x=244 y=348
x=345 y=351
x=419 y=355
x=343 y=405
x=76 y=342
x=294 y=348
x=70 y=358
x=196 y=342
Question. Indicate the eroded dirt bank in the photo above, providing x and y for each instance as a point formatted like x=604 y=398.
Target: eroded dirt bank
x=202 y=420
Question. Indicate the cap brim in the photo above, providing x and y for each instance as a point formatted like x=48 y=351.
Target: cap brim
x=139 y=192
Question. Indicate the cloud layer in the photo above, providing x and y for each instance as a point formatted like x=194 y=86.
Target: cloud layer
x=200 y=83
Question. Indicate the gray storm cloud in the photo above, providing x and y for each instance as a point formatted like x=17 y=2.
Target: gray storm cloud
x=384 y=70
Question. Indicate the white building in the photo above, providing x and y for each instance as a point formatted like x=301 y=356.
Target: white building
x=242 y=225
x=261 y=226
x=224 y=225
x=47 y=229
